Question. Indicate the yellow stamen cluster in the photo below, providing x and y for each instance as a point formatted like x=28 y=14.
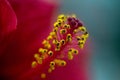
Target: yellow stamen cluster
x=56 y=62
x=41 y=50
x=82 y=38
x=52 y=66
x=66 y=26
x=38 y=58
x=60 y=62
x=71 y=53
x=62 y=34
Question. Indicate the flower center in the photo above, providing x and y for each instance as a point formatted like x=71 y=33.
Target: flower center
x=67 y=29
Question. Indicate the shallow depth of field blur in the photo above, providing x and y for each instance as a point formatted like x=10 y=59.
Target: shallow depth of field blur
x=101 y=17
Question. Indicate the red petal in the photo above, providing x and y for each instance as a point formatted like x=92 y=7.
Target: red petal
x=34 y=18
x=7 y=19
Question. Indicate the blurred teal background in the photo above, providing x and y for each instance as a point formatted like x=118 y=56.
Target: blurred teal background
x=102 y=19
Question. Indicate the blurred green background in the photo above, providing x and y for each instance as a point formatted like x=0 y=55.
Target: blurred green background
x=102 y=19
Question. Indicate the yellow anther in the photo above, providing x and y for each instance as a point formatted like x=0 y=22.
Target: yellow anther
x=55 y=29
x=41 y=50
x=52 y=67
x=78 y=38
x=48 y=46
x=45 y=42
x=62 y=16
x=69 y=37
x=86 y=34
x=45 y=50
x=62 y=63
x=36 y=55
x=66 y=26
x=34 y=64
x=82 y=29
x=49 y=70
x=49 y=37
x=63 y=31
x=50 y=53
x=52 y=63
x=70 y=50
x=75 y=31
x=43 y=75
x=39 y=60
x=53 y=34
x=75 y=51
x=60 y=21
x=58 y=44
x=56 y=24
x=56 y=61
x=83 y=38
x=81 y=44
x=70 y=55
x=62 y=42
x=57 y=49
x=44 y=56
x=54 y=41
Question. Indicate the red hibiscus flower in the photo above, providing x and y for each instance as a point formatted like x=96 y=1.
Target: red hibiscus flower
x=24 y=27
